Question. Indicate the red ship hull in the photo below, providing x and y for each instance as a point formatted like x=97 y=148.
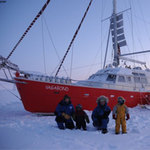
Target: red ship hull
x=43 y=97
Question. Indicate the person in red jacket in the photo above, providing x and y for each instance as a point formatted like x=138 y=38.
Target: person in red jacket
x=80 y=117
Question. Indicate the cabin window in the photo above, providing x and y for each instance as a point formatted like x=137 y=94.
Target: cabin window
x=142 y=74
x=135 y=74
x=92 y=77
x=137 y=79
x=143 y=80
x=121 y=79
x=129 y=79
x=111 y=77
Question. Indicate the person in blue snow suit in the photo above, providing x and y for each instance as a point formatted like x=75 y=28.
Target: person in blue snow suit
x=64 y=112
x=100 y=114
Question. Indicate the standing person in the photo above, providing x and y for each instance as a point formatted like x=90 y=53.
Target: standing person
x=100 y=114
x=80 y=117
x=121 y=111
x=64 y=112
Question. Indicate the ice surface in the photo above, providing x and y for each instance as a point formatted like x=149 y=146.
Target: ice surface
x=21 y=130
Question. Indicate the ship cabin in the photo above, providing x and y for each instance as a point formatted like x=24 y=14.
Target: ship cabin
x=121 y=78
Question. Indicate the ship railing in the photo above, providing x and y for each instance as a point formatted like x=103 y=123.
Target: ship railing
x=7 y=69
x=131 y=87
x=44 y=78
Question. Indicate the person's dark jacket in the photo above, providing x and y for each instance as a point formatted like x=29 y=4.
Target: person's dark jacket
x=80 y=116
x=64 y=107
x=100 y=112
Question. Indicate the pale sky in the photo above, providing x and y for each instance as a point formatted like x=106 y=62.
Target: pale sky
x=63 y=17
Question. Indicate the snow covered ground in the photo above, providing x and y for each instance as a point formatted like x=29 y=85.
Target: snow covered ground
x=21 y=130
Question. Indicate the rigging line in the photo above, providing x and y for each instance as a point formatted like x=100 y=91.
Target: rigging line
x=139 y=33
x=74 y=36
x=146 y=29
x=81 y=67
x=139 y=41
x=93 y=62
x=55 y=70
x=44 y=61
x=101 y=41
x=103 y=7
x=130 y=24
x=132 y=31
x=10 y=91
x=29 y=27
x=142 y=19
x=52 y=41
x=106 y=48
x=71 y=62
x=101 y=31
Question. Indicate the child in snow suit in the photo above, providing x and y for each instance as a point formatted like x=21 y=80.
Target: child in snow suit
x=80 y=117
x=64 y=112
x=100 y=114
x=121 y=111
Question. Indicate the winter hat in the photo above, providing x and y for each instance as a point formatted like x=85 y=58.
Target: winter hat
x=79 y=106
x=102 y=98
x=66 y=97
x=121 y=99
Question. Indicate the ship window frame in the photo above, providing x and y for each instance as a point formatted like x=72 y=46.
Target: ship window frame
x=111 y=78
x=135 y=74
x=143 y=80
x=137 y=79
x=92 y=76
x=129 y=79
x=142 y=75
x=121 y=80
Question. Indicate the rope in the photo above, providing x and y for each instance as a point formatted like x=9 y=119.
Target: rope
x=52 y=41
x=10 y=91
x=27 y=30
x=74 y=36
x=132 y=31
x=43 y=46
x=71 y=62
x=106 y=48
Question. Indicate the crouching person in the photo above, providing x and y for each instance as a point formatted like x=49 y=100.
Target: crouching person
x=64 y=112
x=121 y=114
x=101 y=113
x=81 y=118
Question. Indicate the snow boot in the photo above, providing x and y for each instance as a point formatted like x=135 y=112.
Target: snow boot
x=84 y=129
x=60 y=125
x=117 y=133
x=99 y=128
x=104 y=131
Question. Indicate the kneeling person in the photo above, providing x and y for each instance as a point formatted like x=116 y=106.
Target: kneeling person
x=64 y=112
x=80 y=117
x=100 y=114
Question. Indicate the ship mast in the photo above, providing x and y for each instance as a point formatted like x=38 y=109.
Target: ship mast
x=115 y=46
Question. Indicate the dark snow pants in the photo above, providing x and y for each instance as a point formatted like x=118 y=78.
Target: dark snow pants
x=81 y=124
x=61 y=121
x=101 y=124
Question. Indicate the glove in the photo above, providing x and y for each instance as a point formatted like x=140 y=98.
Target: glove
x=74 y=117
x=106 y=114
x=87 y=119
x=114 y=117
x=66 y=116
x=128 y=117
